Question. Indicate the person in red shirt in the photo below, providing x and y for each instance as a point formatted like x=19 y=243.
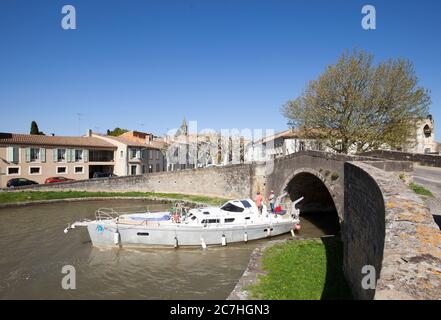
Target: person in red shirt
x=259 y=202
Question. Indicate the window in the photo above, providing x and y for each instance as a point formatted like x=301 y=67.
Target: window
x=78 y=156
x=151 y=154
x=132 y=153
x=302 y=146
x=150 y=168
x=61 y=170
x=210 y=221
x=61 y=155
x=121 y=154
x=12 y=171
x=143 y=169
x=79 y=170
x=133 y=170
x=246 y=204
x=13 y=154
x=231 y=207
x=34 y=170
x=227 y=220
x=157 y=155
x=35 y=154
x=157 y=167
x=427 y=131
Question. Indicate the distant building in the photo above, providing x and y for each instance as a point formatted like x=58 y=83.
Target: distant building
x=187 y=150
x=291 y=141
x=284 y=143
x=424 y=141
x=137 y=153
x=37 y=157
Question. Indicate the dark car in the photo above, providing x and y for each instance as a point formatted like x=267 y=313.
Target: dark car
x=103 y=175
x=57 y=179
x=19 y=182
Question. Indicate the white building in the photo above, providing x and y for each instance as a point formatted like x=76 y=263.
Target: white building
x=425 y=138
x=291 y=141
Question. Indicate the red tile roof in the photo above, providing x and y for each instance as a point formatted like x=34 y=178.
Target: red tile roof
x=40 y=140
x=127 y=141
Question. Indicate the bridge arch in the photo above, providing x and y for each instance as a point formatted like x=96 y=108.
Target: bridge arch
x=318 y=196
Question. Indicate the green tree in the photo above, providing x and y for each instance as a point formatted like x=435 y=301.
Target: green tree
x=116 y=132
x=358 y=104
x=35 y=130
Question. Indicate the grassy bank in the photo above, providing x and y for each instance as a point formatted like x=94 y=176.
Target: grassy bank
x=25 y=196
x=420 y=190
x=302 y=270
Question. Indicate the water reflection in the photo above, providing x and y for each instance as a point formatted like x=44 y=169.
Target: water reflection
x=34 y=249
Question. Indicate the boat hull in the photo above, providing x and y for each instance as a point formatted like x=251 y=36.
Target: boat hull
x=102 y=234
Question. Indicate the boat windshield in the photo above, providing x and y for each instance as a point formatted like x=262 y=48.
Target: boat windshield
x=231 y=207
x=245 y=203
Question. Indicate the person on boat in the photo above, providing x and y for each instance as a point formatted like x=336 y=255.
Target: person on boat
x=272 y=200
x=259 y=202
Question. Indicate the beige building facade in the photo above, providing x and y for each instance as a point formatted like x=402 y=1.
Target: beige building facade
x=424 y=138
x=137 y=153
x=37 y=157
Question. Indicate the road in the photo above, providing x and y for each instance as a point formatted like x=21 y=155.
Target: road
x=430 y=178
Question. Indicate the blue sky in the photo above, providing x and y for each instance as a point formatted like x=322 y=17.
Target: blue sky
x=227 y=64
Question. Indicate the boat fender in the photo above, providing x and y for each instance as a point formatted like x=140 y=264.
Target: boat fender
x=268 y=232
x=66 y=230
x=297 y=227
x=245 y=237
x=224 y=240
x=203 y=244
x=116 y=238
x=176 y=242
x=292 y=233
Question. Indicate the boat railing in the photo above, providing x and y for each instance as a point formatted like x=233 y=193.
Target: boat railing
x=106 y=214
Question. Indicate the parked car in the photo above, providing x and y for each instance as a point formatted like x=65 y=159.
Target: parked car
x=57 y=179
x=103 y=175
x=19 y=182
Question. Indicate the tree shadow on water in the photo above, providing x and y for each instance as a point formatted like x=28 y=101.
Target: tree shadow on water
x=336 y=287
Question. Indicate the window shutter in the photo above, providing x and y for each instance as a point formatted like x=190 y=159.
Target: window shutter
x=68 y=152
x=16 y=155
x=138 y=154
x=55 y=155
x=42 y=154
x=10 y=154
x=86 y=155
x=28 y=154
x=71 y=155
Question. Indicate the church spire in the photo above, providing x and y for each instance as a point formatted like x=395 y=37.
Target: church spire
x=184 y=127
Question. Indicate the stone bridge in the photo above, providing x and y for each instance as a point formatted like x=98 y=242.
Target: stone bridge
x=383 y=224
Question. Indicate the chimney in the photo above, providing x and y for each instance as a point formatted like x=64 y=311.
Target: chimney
x=89 y=133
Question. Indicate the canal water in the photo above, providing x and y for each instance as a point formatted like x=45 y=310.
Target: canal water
x=34 y=249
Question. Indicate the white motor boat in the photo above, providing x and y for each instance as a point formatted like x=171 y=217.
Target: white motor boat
x=235 y=221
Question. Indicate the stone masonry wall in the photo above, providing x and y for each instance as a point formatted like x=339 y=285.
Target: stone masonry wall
x=422 y=159
x=226 y=182
x=363 y=229
x=389 y=227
